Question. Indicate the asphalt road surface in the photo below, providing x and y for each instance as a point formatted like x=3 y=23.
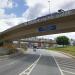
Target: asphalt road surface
x=13 y=66
x=41 y=62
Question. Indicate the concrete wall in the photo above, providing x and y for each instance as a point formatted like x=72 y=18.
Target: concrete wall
x=3 y=50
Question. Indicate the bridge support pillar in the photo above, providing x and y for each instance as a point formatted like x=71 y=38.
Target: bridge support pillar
x=19 y=44
x=22 y=46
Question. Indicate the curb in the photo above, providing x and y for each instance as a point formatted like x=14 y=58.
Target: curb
x=4 y=57
x=67 y=54
x=8 y=56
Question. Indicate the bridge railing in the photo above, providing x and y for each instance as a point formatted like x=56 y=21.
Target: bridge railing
x=51 y=16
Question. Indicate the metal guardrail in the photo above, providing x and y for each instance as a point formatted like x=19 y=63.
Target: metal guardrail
x=39 y=40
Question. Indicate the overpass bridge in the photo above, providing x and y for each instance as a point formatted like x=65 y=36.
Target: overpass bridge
x=49 y=24
x=30 y=42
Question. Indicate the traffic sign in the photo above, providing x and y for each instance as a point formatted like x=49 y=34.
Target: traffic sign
x=47 y=28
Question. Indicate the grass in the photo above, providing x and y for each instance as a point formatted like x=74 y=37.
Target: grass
x=66 y=49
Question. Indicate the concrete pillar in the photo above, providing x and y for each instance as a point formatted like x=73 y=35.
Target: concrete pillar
x=19 y=44
x=22 y=45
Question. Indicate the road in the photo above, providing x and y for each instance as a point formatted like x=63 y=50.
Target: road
x=41 y=62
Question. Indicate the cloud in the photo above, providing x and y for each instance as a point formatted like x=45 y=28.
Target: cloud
x=8 y=21
x=33 y=11
x=69 y=5
x=36 y=10
x=2 y=11
x=7 y=4
x=14 y=21
x=5 y=22
x=5 y=16
x=11 y=22
x=3 y=25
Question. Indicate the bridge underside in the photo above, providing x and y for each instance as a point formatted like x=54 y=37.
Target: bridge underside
x=64 y=24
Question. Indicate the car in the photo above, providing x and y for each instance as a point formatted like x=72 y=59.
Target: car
x=34 y=48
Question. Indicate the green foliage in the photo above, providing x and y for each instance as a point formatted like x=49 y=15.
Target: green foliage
x=62 y=40
x=66 y=49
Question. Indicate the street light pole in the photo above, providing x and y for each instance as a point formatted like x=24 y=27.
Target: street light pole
x=49 y=6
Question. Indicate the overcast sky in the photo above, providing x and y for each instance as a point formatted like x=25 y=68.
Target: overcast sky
x=14 y=12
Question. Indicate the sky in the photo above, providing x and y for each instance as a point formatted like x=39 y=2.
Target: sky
x=14 y=12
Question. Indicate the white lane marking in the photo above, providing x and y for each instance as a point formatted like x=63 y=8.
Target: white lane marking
x=68 y=72
x=34 y=65
x=30 y=68
x=58 y=66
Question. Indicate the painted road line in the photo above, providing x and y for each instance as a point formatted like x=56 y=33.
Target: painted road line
x=30 y=68
x=68 y=72
x=58 y=66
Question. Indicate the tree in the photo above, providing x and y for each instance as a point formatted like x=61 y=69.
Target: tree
x=62 y=40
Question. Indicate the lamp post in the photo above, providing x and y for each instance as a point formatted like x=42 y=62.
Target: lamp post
x=49 y=6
